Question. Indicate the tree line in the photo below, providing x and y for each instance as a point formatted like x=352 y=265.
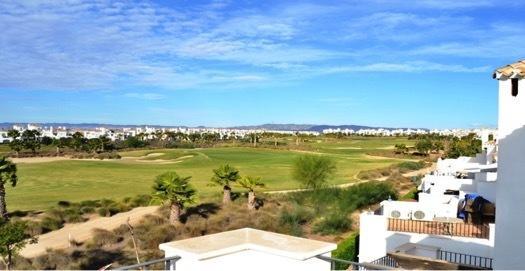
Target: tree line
x=31 y=140
x=449 y=146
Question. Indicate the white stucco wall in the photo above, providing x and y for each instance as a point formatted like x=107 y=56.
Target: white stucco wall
x=247 y=260
x=376 y=240
x=510 y=211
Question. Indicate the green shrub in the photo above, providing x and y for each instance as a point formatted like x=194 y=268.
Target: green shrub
x=34 y=228
x=411 y=195
x=108 y=210
x=50 y=223
x=296 y=215
x=90 y=203
x=73 y=215
x=139 y=200
x=64 y=203
x=410 y=166
x=87 y=210
x=294 y=219
x=333 y=224
x=347 y=249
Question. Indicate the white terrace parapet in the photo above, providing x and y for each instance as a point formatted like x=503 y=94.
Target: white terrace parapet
x=376 y=240
x=249 y=249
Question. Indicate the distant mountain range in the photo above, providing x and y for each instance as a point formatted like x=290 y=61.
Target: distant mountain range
x=274 y=127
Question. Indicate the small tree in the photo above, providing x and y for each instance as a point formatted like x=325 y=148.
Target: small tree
x=77 y=141
x=15 y=144
x=313 y=171
x=175 y=190
x=224 y=176
x=7 y=175
x=424 y=146
x=46 y=140
x=13 y=238
x=250 y=183
x=30 y=140
x=401 y=148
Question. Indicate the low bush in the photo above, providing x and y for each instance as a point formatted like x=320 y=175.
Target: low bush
x=54 y=260
x=410 y=166
x=50 y=223
x=151 y=237
x=333 y=224
x=103 y=238
x=347 y=249
x=139 y=200
x=293 y=219
x=73 y=215
x=411 y=195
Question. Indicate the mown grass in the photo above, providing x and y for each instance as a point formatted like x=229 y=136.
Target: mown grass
x=42 y=185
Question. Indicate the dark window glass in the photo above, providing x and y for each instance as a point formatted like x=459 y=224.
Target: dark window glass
x=514 y=82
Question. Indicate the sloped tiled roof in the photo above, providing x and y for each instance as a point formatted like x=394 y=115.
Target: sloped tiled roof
x=516 y=69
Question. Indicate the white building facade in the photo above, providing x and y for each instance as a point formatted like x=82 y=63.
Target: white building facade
x=510 y=214
x=430 y=229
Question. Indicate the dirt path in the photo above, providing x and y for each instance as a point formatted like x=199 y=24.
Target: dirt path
x=82 y=232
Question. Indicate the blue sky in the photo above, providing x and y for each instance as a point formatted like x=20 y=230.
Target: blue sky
x=395 y=63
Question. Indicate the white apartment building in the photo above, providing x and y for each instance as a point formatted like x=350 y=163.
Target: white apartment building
x=438 y=231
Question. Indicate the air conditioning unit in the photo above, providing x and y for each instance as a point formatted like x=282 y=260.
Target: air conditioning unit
x=395 y=214
x=419 y=215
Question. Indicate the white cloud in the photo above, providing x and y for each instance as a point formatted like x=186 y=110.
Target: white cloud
x=145 y=96
x=73 y=44
x=406 y=67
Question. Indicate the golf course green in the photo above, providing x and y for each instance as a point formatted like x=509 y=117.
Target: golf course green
x=43 y=183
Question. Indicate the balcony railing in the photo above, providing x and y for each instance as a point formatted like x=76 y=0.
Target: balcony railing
x=169 y=264
x=465 y=259
x=439 y=228
x=354 y=265
x=386 y=261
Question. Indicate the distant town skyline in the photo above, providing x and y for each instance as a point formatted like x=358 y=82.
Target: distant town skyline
x=381 y=63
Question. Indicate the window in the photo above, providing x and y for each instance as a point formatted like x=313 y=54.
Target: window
x=514 y=82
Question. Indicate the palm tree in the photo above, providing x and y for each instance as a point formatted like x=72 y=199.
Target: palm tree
x=7 y=174
x=251 y=183
x=175 y=190
x=223 y=176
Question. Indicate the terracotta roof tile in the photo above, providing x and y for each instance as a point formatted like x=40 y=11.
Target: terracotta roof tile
x=511 y=70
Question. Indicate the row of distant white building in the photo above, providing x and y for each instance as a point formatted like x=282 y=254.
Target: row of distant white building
x=409 y=132
x=146 y=132
x=151 y=132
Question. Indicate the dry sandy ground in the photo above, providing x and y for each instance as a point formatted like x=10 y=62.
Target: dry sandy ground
x=30 y=160
x=82 y=232
x=33 y=160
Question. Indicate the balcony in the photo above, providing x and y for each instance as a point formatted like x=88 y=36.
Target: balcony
x=439 y=228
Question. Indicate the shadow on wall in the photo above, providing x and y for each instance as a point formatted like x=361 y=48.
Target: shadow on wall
x=510 y=237
x=483 y=248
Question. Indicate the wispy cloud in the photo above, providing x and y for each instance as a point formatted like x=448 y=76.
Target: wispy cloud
x=407 y=67
x=74 y=44
x=145 y=96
